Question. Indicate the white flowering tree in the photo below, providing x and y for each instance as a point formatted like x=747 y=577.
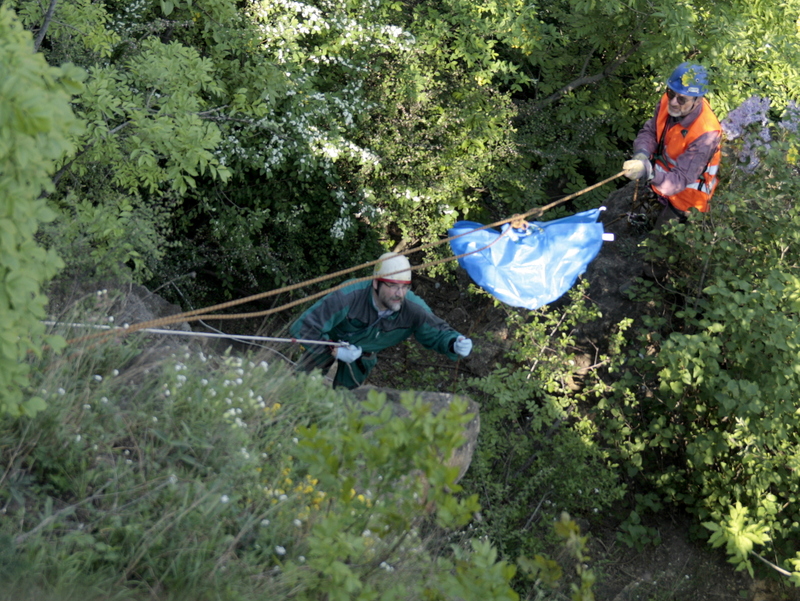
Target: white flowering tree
x=255 y=135
x=266 y=142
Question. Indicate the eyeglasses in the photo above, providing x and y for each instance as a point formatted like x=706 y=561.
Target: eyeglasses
x=681 y=99
x=396 y=286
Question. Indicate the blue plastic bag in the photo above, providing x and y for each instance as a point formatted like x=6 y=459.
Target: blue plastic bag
x=533 y=266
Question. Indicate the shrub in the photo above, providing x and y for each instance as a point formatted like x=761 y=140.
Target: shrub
x=35 y=125
x=538 y=453
x=709 y=418
x=168 y=471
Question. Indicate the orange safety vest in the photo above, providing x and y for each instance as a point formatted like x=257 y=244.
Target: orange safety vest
x=673 y=143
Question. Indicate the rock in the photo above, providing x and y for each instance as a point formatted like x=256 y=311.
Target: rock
x=110 y=301
x=96 y=303
x=462 y=457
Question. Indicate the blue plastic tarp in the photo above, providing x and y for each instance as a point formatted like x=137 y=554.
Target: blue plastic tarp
x=533 y=266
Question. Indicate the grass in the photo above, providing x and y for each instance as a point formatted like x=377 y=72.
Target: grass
x=160 y=471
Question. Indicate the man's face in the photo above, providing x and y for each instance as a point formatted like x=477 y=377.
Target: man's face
x=390 y=296
x=680 y=105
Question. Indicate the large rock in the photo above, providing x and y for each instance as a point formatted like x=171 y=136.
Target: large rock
x=101 y=299
x=439 y=401
x=115 y=301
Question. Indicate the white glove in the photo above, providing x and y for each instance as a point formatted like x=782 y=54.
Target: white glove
x=462 y=346
x=638 y=167
x=348 y=353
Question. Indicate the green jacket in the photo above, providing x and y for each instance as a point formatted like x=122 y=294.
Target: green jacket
x=350 y=315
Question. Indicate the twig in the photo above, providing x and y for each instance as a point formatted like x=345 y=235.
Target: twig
x=14 y=455
x=587 y=80
x=705 y=271
x=60 y=173
x=43 y=29
x=163 y=528
x=533 y=515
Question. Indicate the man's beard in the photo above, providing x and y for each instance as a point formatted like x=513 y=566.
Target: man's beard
x=394 y=306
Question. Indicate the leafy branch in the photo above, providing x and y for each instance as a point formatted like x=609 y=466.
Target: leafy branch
x=585 y=80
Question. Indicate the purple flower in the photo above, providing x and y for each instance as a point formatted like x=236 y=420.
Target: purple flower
x=750 y=122
x=751 y=111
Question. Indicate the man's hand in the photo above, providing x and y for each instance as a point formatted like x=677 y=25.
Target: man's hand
x=638 y=167
x=348 y=353
x=462 y=346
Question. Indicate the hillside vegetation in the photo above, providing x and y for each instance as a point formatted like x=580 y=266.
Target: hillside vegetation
x=245 y=146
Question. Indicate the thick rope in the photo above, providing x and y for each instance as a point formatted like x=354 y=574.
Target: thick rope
x=517 y=221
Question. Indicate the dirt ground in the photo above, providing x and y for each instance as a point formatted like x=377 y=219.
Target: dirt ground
x=680 y=568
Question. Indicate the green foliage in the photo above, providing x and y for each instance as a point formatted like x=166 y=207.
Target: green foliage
x=147 y=139
x=591 y=72
x=36 y=123
x=262 y=143
x=538 y=454
x=441 y=150
x=211 y=476
x=708 y=416
x=739 y=536
x=155 y=102
x=548 y=572
x=77 y=29
x=100 y=237
x=270 y=142
x=633 y=532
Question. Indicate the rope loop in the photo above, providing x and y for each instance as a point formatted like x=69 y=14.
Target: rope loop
x=518 y=222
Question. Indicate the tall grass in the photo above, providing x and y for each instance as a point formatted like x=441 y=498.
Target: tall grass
x=164 y=471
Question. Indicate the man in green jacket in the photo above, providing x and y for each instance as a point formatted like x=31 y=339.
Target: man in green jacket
x=371 y=316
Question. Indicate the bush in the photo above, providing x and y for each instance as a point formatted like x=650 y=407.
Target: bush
x=717 y=428
x=35 y=125
x=538 y=453
x=170 y=472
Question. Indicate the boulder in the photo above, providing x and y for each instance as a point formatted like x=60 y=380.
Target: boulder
x=104 y=298
x=439 y=401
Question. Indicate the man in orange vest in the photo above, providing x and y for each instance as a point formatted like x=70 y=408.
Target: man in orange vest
x=677 y=152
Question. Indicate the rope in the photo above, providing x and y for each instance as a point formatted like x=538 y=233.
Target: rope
x=199 y=334
x=516 y=221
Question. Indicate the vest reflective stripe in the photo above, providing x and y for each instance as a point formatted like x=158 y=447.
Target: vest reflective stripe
x=707 y=187
x=703 y=187
x=698 y=193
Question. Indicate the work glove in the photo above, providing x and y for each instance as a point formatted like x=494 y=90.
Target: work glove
x=348 y=353
x=462 y=346
x=638 y=167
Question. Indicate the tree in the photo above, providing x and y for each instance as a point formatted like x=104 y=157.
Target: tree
x=273 y=143
x=36 y=124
